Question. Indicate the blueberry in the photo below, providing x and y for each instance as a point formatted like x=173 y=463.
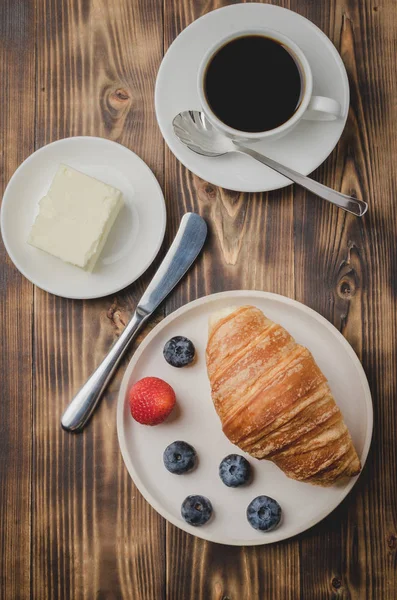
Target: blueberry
x=264 y=513
x=179 y=351
x=196 y=510
x=179 y=457
x=234 y=470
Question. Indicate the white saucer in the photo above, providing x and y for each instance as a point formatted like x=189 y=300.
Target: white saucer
x=135 y=238
x=195 y=421
x=304 y=149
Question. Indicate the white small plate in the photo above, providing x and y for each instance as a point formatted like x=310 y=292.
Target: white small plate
x=303 y=149
x=135 y=238
x=195 y=421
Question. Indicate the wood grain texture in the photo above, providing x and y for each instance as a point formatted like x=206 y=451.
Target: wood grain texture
x=17 y=74
x=72 y=523
x=93 y=534
x=348 y=278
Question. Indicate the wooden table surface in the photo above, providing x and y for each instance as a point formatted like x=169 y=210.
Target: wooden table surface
x=72 y=523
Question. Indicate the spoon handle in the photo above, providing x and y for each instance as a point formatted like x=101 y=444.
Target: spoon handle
x=348 y=203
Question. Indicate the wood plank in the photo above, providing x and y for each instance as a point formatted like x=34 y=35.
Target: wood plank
x=17 y=73
x=343 y=269
x=250 y=246
x=93 y=535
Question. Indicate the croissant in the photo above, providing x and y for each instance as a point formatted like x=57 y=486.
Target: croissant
x=273 y=400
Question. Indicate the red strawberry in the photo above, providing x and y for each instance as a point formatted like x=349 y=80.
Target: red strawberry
x=151 y=400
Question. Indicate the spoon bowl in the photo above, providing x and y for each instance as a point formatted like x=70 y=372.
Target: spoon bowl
x=196 y=132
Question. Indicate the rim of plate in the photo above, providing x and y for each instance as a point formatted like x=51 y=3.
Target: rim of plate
x=206 y=300
x=79 y=296
x=321 y=157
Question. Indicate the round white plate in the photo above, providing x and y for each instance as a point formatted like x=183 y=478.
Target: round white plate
x=136 y=235
x=303 y=149
x=195 y=421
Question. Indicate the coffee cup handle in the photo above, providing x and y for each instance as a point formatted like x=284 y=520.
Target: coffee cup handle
x=322 y=109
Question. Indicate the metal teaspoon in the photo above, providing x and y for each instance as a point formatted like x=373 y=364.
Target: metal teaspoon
x=197 y=133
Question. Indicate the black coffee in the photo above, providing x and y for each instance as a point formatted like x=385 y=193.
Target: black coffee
x=253 y=84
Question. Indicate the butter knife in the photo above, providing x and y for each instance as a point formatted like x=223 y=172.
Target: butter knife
x=184 y=250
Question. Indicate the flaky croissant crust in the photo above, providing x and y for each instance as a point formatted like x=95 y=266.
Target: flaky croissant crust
x=273 y=400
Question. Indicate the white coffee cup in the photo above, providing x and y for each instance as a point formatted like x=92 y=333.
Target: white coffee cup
x=313 y=108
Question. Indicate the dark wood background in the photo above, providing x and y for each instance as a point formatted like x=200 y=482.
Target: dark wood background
x=72 y=523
